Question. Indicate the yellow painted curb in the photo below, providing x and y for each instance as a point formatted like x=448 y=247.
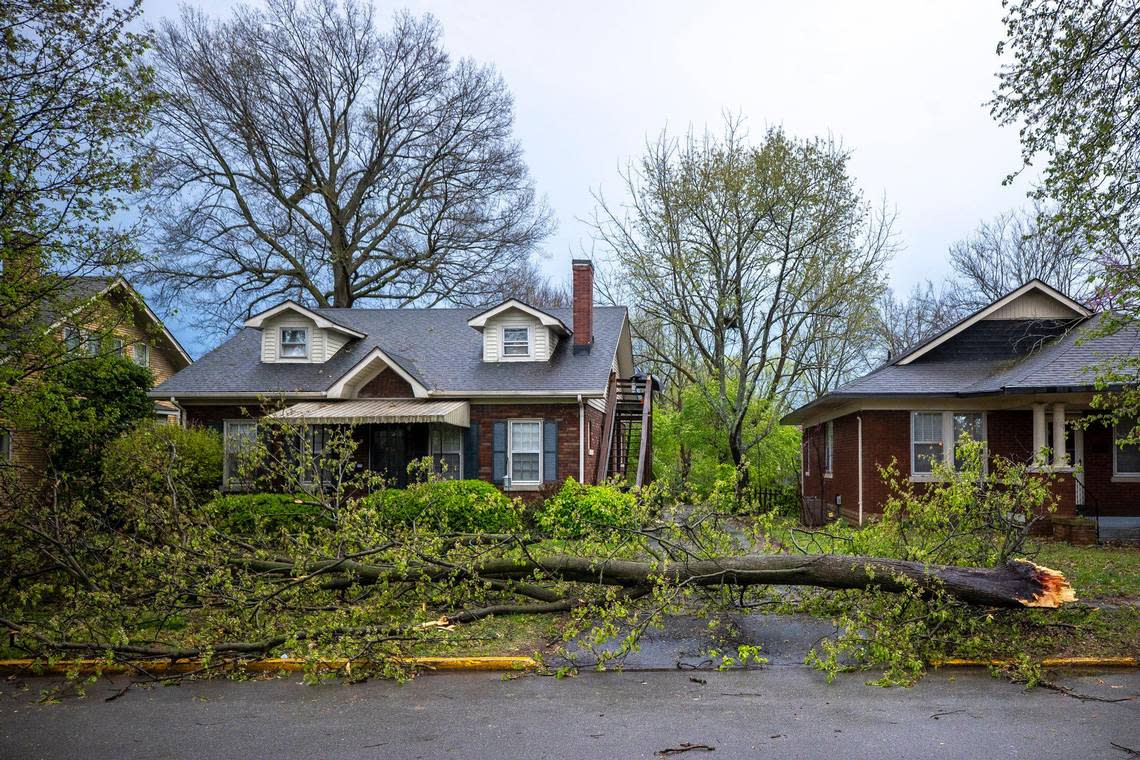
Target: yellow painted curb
x=274 y=665
x=1048 y=662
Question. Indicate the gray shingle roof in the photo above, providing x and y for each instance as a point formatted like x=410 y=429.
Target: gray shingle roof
x=1066 y=363
x=435 y=346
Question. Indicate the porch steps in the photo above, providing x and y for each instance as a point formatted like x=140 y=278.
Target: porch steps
x=627 y=432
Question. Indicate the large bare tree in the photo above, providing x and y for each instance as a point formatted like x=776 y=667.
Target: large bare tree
x=304 y=152
x=733 y=256
x=1013 y=248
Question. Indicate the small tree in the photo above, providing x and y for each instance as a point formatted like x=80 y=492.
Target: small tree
x=74 y=102
x=82 y=405
x=745 y=266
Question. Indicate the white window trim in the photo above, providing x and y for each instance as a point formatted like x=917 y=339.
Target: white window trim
x=529 y=342
x=524 y=484
x=281 y=344
x=145 y=349
x=230 y=480
x=1117 y=475
x=828 y=448
x=947 y=435
x=458 y=474
x=119 y=346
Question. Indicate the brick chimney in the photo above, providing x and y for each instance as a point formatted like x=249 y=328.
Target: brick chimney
x=583 y=305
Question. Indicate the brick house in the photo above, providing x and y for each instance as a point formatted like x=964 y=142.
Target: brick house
x=1017 y=374
x=516 y=395
x=103 y=314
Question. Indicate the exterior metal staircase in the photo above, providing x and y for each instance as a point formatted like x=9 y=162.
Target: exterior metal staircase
x=627 y=432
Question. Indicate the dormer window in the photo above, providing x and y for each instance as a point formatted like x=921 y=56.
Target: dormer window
x=516 y=341
x=294 y=343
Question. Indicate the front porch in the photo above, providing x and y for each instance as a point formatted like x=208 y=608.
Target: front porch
x=1093 y=476
x=393 y=433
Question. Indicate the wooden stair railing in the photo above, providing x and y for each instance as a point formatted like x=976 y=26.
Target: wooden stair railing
x=644 y=452
x=607 y=431
x=629 y=403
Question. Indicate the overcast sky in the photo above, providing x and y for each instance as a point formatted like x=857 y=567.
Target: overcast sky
x=903 y=84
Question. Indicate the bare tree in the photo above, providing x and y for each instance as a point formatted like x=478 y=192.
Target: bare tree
x=528 y=284
x=730 y=254
x=903 y=323
x=1005 y=253
x=303 y=152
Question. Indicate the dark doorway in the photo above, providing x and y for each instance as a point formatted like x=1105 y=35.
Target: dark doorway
x=389 y=453
x=393 y=447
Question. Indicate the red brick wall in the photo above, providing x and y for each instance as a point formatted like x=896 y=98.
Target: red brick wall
x=1112 y=499
x=213 y=415
x=583 y=294
x=386 y=385
x=566 y=415
x=886 y=436
x=486 y=415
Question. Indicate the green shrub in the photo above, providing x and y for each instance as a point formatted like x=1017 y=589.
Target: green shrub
x=144 y=462
x=579 y=510
x=455 y=506
x=250 y=513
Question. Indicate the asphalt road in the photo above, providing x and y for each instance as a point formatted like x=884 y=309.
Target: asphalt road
x=781 y=711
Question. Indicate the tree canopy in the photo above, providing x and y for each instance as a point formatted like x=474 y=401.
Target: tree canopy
x=305 y=152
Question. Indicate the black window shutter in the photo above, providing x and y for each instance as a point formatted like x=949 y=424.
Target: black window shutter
x=550 y=450
x=471 y=452
x=498 y=451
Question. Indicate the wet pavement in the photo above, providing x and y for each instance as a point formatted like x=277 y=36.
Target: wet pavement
x=786 y=712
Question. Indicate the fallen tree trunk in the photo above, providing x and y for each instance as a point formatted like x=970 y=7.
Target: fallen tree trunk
x=1018 y=584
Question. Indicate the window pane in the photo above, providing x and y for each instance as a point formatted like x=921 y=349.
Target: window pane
x=524 y=468
x=516 y=341
x=526 y=436
x=452 y=440
x=969 y=423
x=925 y=454
x=294 y=342
x=928 y=427
x=451 y=470
x=1127 y=457
x=142 y=354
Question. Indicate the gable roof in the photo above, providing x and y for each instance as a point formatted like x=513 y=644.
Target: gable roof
x=259 y=319
x=984 y=355
x=436 y=347
x=1034 y=285
x=83 y=289
x=479 y=321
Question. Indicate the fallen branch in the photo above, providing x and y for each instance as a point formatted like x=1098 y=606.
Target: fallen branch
x=1018 y=584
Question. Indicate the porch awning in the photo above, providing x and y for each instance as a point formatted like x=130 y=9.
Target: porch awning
x=361 y=411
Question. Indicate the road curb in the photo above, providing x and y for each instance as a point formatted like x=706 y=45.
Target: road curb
x=1047 y=662
x=275 y=665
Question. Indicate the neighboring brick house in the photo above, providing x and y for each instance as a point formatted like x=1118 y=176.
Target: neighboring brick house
x=512 y=394
x=1018 y=374
x=109 y=309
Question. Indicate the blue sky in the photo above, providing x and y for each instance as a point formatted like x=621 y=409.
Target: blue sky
x=903 y=84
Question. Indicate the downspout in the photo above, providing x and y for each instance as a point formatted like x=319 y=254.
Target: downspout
x=181 y=412
x=581 y=440
x=859 y=420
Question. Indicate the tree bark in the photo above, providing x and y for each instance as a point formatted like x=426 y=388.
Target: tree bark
x=1018 y=584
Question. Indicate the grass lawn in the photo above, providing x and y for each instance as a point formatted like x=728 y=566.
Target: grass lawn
x=507 y=635
x=1095 y=572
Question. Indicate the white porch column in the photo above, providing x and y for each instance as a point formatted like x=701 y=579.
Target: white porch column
x=1060 y=457
x=1039 y=442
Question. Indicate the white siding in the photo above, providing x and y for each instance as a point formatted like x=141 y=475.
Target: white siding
x=271 y=336
x=543 y=341
x=1034 y=305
